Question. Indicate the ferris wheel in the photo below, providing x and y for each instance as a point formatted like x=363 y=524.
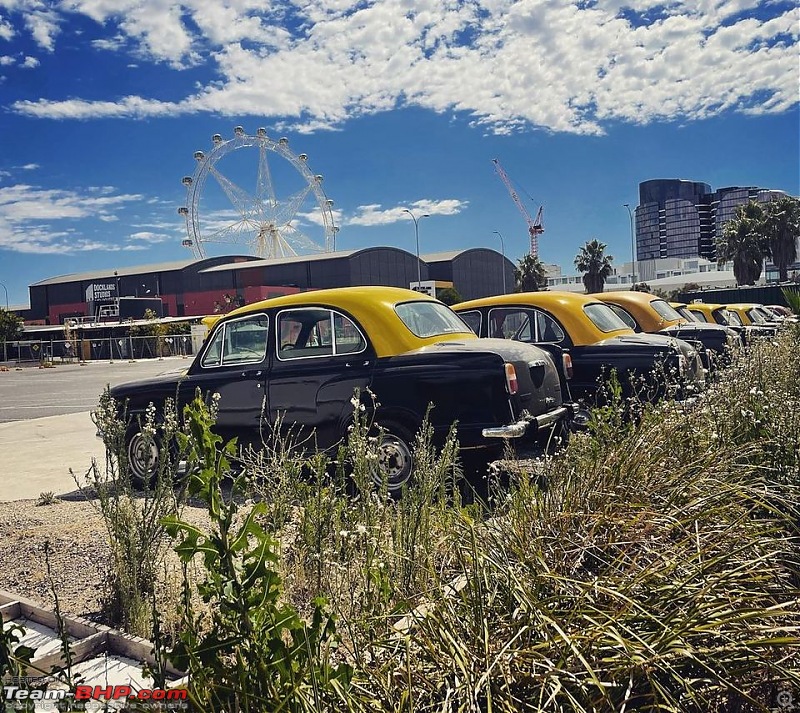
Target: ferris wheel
x=284 y=213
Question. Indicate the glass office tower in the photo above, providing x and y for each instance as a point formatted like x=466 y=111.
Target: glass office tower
x=683 y=219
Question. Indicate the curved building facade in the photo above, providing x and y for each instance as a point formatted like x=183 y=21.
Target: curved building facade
x=682 y=219
x=199 y=287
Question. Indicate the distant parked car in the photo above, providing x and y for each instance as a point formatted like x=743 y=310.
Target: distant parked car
x=297 y=360
x=644 y=312
x=597 y=340
x=754 y=314
x=713 y=313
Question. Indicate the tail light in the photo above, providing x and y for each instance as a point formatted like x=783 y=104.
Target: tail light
x=567 y=361
x=511 y=379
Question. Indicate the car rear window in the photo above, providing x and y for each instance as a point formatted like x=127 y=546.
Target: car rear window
x=603 y=317
x=665 y=310
x=430 y=319
x=698 y=315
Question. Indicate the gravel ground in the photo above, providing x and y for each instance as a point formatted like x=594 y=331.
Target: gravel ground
x=79 y=556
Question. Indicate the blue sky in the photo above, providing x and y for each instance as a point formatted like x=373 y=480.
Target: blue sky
x=397 y=103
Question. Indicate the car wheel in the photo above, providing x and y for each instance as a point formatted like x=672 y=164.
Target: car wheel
x=395 y=458
x=143 y=452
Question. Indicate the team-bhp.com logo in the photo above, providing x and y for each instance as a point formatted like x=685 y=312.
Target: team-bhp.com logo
x=82 y=693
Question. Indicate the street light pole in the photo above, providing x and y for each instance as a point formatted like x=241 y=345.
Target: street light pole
x=633 y=245
x=416 y=237
x=503 y=252
x=6 y=291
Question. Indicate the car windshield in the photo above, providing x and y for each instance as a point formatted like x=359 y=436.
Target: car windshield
x=684 y=312
x=603 y=317
x=755 y=316
x=698 y=316
x=665 y=310
x=430 y=319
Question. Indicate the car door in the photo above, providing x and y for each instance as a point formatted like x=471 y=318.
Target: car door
x=233 y=363
x=321 y=357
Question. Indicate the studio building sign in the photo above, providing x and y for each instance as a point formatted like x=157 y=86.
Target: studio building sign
x=101 y=291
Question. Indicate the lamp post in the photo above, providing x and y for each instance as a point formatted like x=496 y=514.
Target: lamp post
x=6 y=291
x=633 y=245
x=416 y=237
x=503 y=252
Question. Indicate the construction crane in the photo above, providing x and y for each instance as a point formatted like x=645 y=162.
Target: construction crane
x=535 y=227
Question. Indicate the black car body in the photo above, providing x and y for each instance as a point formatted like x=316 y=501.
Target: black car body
x=297 y=360
x=644 y=312
x=596 y=340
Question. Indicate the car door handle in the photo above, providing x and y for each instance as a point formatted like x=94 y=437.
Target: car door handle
x=350 y=365
x=251 y=373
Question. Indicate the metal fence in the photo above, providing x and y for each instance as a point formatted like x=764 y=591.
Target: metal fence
x=107 y=349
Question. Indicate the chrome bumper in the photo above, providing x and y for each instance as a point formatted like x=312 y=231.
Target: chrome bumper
x=520 y=428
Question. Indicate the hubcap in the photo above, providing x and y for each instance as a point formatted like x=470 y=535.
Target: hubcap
x=394 y=463
x=142 y=456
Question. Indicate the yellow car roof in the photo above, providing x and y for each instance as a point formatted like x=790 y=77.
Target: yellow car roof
x=566 y=307
x=371 y=306
x=742 y=309
x=707 y=308
x=638 y=304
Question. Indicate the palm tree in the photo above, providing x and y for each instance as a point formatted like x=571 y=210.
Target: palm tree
x=530 y=274
x=595 y=264
x=782 y=229
x=743 y=242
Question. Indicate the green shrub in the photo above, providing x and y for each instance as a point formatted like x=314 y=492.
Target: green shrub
x=249 y=651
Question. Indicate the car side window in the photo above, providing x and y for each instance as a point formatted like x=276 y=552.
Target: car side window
x=624 y=316
x=317 y=332
x=240 y=341
x=473 y=320
x=547 y=329
x=511 y=323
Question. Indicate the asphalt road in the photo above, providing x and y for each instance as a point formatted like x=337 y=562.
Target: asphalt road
x=45 y=424
x=70 y=388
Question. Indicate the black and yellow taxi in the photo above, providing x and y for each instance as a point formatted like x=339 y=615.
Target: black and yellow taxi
x=596 y=340
x=297 y=360
x=644 y=312
x=752 y=314
x=714 y=313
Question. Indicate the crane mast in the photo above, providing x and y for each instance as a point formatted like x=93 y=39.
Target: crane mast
x=535 y=227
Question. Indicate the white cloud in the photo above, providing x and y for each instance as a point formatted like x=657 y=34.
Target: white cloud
x=6 y=30
x=150 y=237
x=5 y=60
x=29 y=63
x=374 y=214
x=32 y=219
x=502 y=64
x=42 y=22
